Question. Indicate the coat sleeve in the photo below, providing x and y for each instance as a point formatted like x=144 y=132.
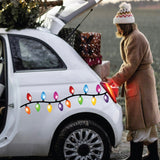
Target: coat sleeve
x=134 y=50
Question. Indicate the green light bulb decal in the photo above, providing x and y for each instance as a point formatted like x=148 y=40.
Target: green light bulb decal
x=38 y=107
x=80 y=100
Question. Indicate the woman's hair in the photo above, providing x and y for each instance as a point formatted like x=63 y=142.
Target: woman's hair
x=126 y=28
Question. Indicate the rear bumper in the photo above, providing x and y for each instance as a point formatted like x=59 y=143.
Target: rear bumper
x=118 y=124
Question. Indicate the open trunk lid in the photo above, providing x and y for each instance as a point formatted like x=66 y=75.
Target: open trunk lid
x=58 y=16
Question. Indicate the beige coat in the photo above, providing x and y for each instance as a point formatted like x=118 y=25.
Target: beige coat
x=137 y=75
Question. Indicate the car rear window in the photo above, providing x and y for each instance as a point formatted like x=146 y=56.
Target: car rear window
x=32 y=54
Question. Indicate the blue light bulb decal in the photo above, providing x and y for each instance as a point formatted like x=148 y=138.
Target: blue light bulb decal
x=85 y=89
x=43 y=96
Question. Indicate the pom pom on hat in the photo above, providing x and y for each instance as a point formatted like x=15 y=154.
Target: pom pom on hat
x=124 y=15
x=125 y=5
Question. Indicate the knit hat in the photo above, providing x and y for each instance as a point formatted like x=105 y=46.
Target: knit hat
x=124 y=15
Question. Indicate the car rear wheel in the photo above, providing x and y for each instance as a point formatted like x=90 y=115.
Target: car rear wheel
x=82 y=140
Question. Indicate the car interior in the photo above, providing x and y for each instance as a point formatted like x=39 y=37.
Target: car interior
x=3 y=108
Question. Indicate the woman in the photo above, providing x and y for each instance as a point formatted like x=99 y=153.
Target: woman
x=138 y=82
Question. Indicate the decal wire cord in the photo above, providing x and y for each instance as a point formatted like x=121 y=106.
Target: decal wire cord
x=59 y=101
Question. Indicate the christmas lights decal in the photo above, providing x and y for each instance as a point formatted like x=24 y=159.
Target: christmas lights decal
x=66 y=100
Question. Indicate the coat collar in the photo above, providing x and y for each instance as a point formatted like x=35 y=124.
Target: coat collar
x=125 y=37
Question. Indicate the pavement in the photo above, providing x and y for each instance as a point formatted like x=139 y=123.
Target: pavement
x=123 y=150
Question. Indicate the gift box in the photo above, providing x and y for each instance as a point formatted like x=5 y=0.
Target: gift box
x=90 y=48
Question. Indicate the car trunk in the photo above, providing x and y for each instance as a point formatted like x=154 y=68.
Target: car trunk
x=55 y=21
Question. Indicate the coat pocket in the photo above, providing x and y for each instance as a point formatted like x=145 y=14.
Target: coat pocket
x=131 y=90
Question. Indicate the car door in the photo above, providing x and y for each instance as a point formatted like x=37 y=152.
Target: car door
x=35 y=77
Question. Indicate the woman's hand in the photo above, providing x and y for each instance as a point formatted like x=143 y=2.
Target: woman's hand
x=104 y=79
x=110 y=81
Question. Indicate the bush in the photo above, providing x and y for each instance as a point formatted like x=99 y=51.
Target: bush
x=18 y=14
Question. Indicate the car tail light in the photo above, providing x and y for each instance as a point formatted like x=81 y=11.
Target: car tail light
x=112 y=90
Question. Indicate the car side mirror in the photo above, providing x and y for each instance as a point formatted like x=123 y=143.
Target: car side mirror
x=1 y=59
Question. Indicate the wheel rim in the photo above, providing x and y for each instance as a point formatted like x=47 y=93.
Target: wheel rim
x=83 y=144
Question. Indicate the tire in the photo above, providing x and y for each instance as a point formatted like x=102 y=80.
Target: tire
x=82 y=140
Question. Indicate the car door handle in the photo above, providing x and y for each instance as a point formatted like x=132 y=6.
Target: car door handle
x=11 y=105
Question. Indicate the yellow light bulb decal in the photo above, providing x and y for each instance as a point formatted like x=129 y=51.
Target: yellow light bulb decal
x=93 y=101
x=49 y=108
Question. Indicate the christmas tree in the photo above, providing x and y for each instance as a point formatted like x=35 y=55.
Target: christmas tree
x=20 y=14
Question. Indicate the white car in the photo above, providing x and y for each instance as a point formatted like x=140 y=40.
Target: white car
x=52 y=102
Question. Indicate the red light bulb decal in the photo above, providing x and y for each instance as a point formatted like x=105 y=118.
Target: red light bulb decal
x=29 y=97
x=71 y=90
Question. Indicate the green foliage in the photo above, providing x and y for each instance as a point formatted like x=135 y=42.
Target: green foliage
x=19 y=14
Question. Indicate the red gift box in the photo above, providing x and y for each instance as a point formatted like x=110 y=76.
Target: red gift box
x=90 y=48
